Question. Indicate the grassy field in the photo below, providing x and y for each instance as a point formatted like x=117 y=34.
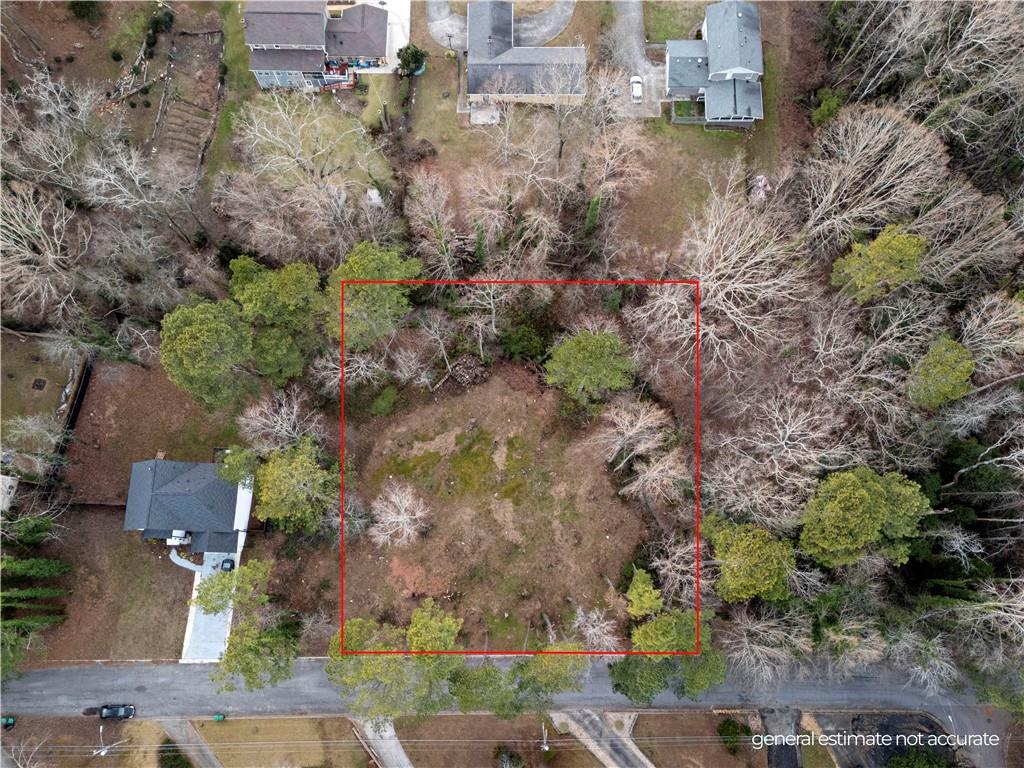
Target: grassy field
x=240 y=86
x=276 y=742
x=671 y=19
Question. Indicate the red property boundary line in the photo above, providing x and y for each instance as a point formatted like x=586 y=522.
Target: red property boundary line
x=696 y=427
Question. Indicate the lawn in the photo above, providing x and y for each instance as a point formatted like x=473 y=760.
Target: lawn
x=130 y=32
x=240 y=86
x=126 y=599
x=71 y=741
x=469 y=741
x=490 y=463
x=276 y=742
x=690 y=739
x=671 y=19
x=382 y=88
x=130 y=413
x=32 y=383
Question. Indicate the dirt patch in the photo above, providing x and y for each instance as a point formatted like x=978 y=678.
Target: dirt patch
x=690 y=740
x=270 y=743
x=69 y=741
x=525 y=520
x=129 y=414
x=126 y=599
x=304 y=580
x=469 y=741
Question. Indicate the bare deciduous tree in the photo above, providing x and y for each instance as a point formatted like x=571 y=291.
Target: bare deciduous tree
x=764 y=645
x=928 y=661
x=632 y=428
x=432 y=220
x=599 y=633
x=280 y=419
x=399 y=516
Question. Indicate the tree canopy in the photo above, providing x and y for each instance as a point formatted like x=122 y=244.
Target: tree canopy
x=942 y=375
x=752 y=562
x=203 y=349
x=871 y=270
x=644 y=599
x=293 y=490
x=860 y=512
x=371 y=311
x=587 y=366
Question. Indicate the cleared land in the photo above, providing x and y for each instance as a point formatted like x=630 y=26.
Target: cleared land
x=689 y=740
x=129 y=414
x=278 y=742
x=126 y=599
x=525 y=522
x=469 y=741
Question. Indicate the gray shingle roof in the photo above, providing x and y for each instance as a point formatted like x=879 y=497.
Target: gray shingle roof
x=495 y=64
x=734 y=36
x=284 y=22
x=687 y=66
x=287 y=61
x=725 y=99
x=214 y=542
x=362 y=30
x=179 y=496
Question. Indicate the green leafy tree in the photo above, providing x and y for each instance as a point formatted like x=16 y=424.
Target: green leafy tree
x=644 y=599
x=857 y=512
x=641 y=678
x=918 y=758
x=539 y=677
x=243 y=588
x=669 y=631
x=258 y=656
x=485 y=688
x=287 y=297
x=383 y=687
x=30 y=593
x=829 y=103
x=204 y=348
x=589 y=365
x=751 y=561
x=942 y=375
x=278 y=355
x=700 y=673
x=32 y=567
x=870 y=271
x=293 y=490
x=371 y=311
x=730 y=731
x=239 y=466
x=410 y=59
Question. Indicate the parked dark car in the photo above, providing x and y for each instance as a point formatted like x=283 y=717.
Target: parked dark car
x=117 y=711
x=227 y=565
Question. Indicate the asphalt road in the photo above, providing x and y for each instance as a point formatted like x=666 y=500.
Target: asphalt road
x=185 y=690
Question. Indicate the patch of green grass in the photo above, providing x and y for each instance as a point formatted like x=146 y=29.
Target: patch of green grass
x=382 y=88
x=131 y=32
x=421 y=468
x=684 y=108
x=473 y=467
x=236 y=54
x=504 y=630
x=197 y=438
x=673 y=20
x=523 y=481
x=764 y=143
x=384 y=403
x=816 y=756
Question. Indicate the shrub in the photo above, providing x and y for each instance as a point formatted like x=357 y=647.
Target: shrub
x=144 y=90
x=147 y=103
x=132 y=104
x=57 y=59
x=171 y=756
x=69 y=58
x=730 y=731
x=410 y=59
x=384 y=403
x=829 y=103
x=942 y=375
x=161 y=22
x=116 y=55
x=87 y=10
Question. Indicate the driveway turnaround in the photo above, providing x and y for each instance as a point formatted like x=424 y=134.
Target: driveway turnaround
x=449 y=28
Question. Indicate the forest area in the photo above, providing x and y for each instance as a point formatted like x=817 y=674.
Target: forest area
x=861 y=346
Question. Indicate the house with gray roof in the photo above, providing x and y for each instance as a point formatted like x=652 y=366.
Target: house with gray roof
x=500 y=70
x=310 y=45
x=717 y=80
x=187 y=503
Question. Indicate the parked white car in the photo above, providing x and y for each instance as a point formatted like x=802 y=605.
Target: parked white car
x=636 y=89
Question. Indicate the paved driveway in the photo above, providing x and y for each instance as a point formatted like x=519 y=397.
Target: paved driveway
x=629 y=31
x=537 y=29
x=206 y=634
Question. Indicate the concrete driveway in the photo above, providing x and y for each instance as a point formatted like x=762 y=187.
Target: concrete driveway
x=206 y=634
x=446 y=26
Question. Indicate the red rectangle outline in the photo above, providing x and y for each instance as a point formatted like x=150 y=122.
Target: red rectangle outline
x=696 y=428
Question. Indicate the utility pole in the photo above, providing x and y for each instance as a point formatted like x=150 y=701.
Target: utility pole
x=103 y=750
x=544 y=746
